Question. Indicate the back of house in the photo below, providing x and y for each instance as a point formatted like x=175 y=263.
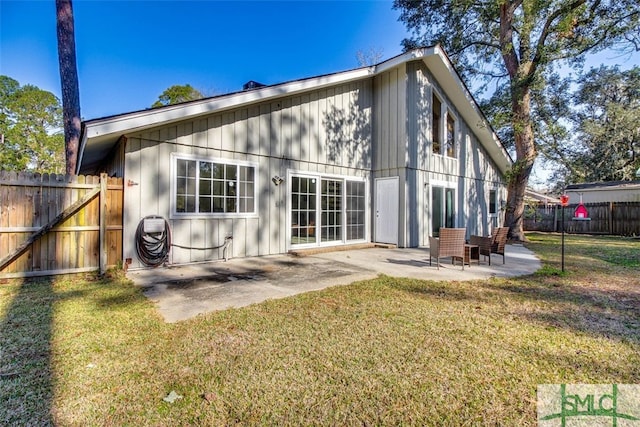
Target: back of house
x=388 y=153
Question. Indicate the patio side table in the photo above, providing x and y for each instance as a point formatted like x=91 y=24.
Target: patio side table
x=471 y=254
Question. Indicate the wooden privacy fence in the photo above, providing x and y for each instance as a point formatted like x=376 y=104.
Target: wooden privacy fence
x=615 y=218
x=57 y=224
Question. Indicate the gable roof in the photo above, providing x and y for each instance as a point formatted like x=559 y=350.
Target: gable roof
x=99 y=136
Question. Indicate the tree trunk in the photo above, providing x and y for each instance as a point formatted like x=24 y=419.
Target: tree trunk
x=525 y=157
x=69 y=82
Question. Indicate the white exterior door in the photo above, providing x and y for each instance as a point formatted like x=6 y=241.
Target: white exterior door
x=387 y=200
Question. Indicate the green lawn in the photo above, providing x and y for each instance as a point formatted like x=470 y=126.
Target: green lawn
x=384 y=351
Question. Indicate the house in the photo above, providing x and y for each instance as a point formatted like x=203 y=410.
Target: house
x=387 y=153
x=602 y=192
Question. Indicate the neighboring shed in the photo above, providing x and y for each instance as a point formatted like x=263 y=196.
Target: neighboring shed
x=387 y=153
x=600 y=192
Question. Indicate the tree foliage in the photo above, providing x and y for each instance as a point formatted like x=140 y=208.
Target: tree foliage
x=515 y=46
x=30 y=125
x=599 y=138
x=176 y=94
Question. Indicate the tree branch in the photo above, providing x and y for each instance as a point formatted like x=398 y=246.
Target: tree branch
x=546 y=32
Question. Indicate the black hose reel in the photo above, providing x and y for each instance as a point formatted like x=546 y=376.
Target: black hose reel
x=153 y=241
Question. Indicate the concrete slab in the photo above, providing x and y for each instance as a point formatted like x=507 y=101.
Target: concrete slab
x=182 y=292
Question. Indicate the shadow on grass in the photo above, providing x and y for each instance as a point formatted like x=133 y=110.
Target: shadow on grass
x=612 y=314
x=26 y=389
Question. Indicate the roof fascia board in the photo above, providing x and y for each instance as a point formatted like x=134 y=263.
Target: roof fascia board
x=405 y=57
x=149 y=118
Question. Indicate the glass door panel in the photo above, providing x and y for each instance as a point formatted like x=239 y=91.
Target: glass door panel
x=331 y=208
x=303 y=210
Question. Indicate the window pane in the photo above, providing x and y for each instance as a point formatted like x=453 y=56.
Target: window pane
x=205 y=187
x=190 y=204
x=181 y=167
x=191 y=186
x=181 y=204
x=231 y=205
x=437 y=204
x=218 y=188
x=217 y=170
x=181 y=185
x=205 y=169
x=450 y=208
x=436 y=107
x=355 y=210
x=492 y=202
x=451 y=138
x=231 y=188
x=205 y=204
x=331 y=209
x=246 y=173
x=231 y=172
x=218 y=204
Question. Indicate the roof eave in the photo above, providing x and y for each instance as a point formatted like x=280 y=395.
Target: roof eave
x=106 y=131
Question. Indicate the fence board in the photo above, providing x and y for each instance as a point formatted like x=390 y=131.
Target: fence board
x=28 y=202
x=616 y=218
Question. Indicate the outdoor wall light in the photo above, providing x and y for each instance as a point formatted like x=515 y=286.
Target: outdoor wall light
x=277 y=180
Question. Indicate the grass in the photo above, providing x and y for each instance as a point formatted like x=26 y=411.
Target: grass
x=384 y=351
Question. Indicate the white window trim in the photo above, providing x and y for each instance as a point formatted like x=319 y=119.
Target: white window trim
x=198 y=215
x=445 y=112
x=343 y=240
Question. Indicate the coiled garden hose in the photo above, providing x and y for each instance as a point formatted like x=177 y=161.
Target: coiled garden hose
x=153 y=248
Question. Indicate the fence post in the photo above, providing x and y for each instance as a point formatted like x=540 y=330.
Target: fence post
x=103 y=223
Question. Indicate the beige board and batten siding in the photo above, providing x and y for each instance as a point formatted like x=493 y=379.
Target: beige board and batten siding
x=325 y=131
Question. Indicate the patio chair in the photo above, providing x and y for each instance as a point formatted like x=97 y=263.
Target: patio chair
x=449 y=244
x=493 y=244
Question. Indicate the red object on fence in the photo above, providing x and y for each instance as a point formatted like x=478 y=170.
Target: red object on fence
x=581 y=212
x=564 y=200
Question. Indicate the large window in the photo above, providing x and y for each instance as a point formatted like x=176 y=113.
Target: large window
x=439 y=121
x=213 y=187
x=326 y=210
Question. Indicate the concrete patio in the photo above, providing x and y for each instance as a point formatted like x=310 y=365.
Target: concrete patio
x=182 y=292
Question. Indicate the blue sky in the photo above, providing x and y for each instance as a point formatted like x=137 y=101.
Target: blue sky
x=128 y=52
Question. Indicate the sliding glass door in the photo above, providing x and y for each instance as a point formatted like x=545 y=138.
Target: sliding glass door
x=443 y=204
x=327 y=210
